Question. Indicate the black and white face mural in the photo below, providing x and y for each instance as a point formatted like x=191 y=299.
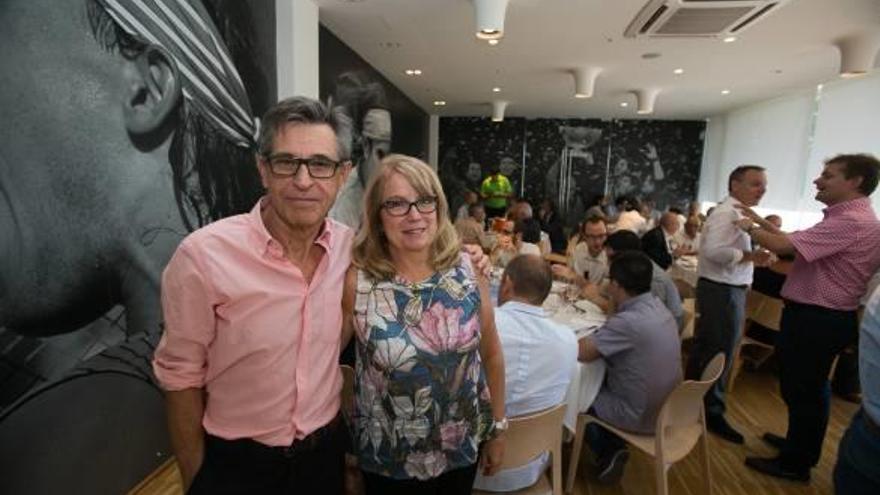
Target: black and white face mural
x=566 y=163
x=365 y=102
x=657 y=160
x=574 y=161
x=117 y=139
x=384 y=119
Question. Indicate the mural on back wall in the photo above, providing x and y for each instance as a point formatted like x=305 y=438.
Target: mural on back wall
x=385 y=120
x=118 y=139
x=656 y=159
x=566 y=163
x=573 y=162
x=470 y=146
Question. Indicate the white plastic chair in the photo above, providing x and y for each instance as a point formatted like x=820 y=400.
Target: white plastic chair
x=680 y=424
x=529 y=436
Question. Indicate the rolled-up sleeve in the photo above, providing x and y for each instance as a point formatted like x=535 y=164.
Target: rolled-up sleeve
x=719 y=236
x=180 y=360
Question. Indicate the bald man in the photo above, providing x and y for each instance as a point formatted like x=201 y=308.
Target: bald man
x=540 y=357
x=657 y=242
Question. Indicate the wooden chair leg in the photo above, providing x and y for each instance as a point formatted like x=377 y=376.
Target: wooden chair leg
x=660 y=468
x=576 y=448
x=556 y=458
x=833 y=367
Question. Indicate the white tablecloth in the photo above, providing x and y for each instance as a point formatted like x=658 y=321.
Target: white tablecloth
x=685 y=268
x=583 y=318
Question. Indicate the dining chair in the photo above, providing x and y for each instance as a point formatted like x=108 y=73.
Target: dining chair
x=527 y=437
x=681 y=423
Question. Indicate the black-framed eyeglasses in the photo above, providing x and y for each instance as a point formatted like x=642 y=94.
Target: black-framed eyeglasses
x=285 y=165
x=401 y=207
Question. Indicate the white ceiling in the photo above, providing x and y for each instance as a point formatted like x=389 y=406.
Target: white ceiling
x=791 y=49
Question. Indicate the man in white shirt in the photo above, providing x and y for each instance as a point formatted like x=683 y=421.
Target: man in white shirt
x=587 y=257
x=630 y=218
x=725 y=265
x=540 y=358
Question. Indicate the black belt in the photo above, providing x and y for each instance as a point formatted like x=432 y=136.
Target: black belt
x=744 y=286
x=249 y=446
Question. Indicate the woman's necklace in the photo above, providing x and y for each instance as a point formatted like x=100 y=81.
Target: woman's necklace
x=412 y=312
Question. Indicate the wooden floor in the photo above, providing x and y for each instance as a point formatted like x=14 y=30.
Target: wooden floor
x=754 y=406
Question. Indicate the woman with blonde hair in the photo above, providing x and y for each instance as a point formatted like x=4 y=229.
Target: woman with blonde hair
x=428 y=354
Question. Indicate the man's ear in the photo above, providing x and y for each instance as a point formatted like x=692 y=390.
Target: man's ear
x=154 y=91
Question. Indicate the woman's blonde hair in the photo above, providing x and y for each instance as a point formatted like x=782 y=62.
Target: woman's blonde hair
x=371 y=252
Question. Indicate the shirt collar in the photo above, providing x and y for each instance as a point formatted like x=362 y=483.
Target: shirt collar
x=523 y=308
x=862 y=203
x=732 y=201
x=264 y=241
x=636 y=300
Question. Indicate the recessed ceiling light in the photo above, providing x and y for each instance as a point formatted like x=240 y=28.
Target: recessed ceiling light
x=417 y=72
x=725 y=91
x=624 y=104
x=494 y=42
x=413 y=72
x=678 y=71
x=409 y=72
x=496 y=89
x=729 y=39
x=439 y=103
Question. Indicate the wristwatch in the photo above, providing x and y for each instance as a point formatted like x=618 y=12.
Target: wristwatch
x=500 y=426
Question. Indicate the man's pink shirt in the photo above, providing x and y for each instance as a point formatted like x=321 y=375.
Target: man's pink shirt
x=836 y=257
x=242 y=322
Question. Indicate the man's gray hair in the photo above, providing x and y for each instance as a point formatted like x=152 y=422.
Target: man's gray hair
x=303 y=110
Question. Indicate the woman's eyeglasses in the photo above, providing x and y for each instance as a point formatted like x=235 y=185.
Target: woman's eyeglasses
x=401 y=207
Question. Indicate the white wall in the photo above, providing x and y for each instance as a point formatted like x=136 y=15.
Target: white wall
x=296 y=28
x=790 y=137
x=848 y=121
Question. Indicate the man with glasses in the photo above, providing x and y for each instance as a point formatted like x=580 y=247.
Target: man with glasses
x=253 y=319
x=252 y=322
x=588 y=258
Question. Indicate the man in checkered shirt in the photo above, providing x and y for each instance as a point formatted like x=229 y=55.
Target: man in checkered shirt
x=834 y=260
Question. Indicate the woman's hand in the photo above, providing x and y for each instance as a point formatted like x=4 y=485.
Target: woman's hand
x=493 y=455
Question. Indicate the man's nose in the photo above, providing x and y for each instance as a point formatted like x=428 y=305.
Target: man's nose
x=301 y=178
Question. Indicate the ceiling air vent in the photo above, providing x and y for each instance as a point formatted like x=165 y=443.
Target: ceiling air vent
x=698 y=18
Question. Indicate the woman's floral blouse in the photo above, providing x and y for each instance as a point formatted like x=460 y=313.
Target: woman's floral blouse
x=421 y=399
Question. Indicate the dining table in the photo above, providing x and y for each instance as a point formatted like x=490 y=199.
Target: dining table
x=684 y=268
x=583 y=318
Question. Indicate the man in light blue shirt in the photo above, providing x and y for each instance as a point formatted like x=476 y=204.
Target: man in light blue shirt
x=540 y=358
x=859 y=453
